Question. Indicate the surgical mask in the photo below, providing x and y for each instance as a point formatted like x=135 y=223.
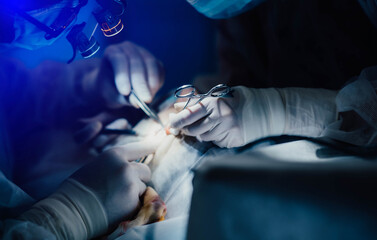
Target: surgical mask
x=223 y=8
x=29 y=36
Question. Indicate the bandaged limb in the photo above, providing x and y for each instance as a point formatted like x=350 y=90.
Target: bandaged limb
x=73 y=212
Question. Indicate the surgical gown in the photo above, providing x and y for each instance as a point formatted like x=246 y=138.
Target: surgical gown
x=34 y=103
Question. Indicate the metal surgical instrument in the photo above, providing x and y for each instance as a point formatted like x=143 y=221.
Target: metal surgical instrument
x=220 y=90
x=147 y=109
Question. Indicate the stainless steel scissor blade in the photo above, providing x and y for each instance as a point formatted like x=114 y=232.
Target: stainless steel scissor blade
x=150 y=113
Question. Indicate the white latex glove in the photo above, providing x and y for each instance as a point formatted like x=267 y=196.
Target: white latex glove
x=117 y=180
x=103 y=85
x=233 y=122
x=96 y=197
x=133 y=68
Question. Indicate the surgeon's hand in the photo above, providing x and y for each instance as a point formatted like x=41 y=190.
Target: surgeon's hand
x=106 y=88
x=212 y=120
x=127 y=66
x=233 y=122
x=116 y=180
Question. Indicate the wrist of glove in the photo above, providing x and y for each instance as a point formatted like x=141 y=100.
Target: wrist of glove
x=73 y=212
x=308 y=111
x=261 y=113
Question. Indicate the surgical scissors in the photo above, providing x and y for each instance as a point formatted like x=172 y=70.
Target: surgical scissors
x=147 y=110
x=220 y=90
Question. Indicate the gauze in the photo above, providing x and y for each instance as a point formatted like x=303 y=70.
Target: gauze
x=223 y=8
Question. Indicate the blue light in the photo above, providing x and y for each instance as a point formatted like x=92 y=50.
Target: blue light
x=173 y=31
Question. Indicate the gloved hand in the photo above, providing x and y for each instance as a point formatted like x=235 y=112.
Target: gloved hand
x=130 y=66
x=125 y=66
x=117 y=180
x=233 y=122
x=96 y=197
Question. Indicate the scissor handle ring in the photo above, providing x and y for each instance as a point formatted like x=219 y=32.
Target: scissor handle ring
x=223 y=90
x=187 y=95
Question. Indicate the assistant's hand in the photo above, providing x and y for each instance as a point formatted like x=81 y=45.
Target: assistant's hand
x=95 y=198
x=117 y=181
x=233 y=122
x=128 y=66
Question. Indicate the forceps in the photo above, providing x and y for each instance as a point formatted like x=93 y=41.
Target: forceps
x=220 y=90
x=147 y=110
x=150 y=113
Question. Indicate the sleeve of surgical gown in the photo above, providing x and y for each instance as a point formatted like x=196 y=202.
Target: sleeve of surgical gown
x=53 y=93
x=348 y=115
x=291 y=111
x=73 y=212
x=308 y=111
x=357 y=105
x=11 y=200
